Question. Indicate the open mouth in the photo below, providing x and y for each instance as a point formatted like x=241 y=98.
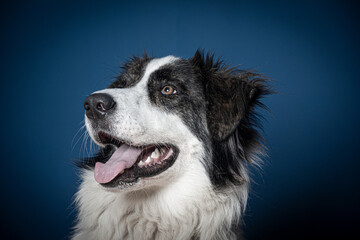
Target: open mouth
x=129 y=162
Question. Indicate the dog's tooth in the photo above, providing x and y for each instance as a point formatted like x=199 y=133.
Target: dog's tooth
x=162 y=151
x=155 y=154
x=141 y=164
x=148 y=160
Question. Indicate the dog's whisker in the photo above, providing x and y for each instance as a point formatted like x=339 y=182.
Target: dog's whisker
x=83 y=144
x=86 y=145
x=78 y=131
x=79 y=137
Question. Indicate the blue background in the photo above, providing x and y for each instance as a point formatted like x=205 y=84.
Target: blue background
x=54 y=53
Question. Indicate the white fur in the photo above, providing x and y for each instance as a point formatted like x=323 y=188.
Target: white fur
x=179 y=203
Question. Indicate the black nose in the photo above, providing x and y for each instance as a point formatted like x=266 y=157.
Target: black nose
x=97 y=105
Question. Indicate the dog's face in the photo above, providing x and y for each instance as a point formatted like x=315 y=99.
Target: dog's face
x=151 y=116
x=164 y=117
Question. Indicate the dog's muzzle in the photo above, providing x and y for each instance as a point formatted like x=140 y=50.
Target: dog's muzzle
x=98 y=105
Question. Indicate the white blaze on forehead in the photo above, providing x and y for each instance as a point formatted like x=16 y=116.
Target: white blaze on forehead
x=154 y=65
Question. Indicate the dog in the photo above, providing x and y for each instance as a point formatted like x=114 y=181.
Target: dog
x=176 y=137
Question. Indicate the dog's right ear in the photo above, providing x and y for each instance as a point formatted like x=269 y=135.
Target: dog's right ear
x=231 y=94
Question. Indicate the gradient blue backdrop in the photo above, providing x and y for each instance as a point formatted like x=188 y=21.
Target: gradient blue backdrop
x=54 y=53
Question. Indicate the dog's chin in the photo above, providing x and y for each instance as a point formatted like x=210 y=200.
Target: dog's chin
x=148 y=163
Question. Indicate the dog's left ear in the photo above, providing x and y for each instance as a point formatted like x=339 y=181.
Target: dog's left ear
x=231 y=94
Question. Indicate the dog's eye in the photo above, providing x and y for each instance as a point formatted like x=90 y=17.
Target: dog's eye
x=168 y=90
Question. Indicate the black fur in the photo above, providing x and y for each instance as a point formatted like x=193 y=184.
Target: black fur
x=232 y=96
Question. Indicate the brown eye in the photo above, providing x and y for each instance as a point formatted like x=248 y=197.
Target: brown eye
x=168 y=90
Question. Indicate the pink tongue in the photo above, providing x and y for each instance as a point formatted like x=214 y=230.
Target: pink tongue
x=124 y=157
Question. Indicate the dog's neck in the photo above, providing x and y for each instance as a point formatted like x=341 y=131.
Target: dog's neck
x=182 y=210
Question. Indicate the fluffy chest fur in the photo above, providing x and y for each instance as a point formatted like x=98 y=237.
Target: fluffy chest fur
x=180 y=211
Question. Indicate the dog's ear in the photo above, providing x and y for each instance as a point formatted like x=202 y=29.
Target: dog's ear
x=231 y=94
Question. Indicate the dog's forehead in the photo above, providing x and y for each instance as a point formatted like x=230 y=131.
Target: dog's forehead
x=155 y=65
x=140 y=69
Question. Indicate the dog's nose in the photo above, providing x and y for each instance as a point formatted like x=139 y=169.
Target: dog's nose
x=97 y=105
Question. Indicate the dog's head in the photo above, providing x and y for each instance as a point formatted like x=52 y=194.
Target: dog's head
x=165 y=117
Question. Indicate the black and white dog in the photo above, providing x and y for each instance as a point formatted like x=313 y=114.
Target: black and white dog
x=175 y=137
